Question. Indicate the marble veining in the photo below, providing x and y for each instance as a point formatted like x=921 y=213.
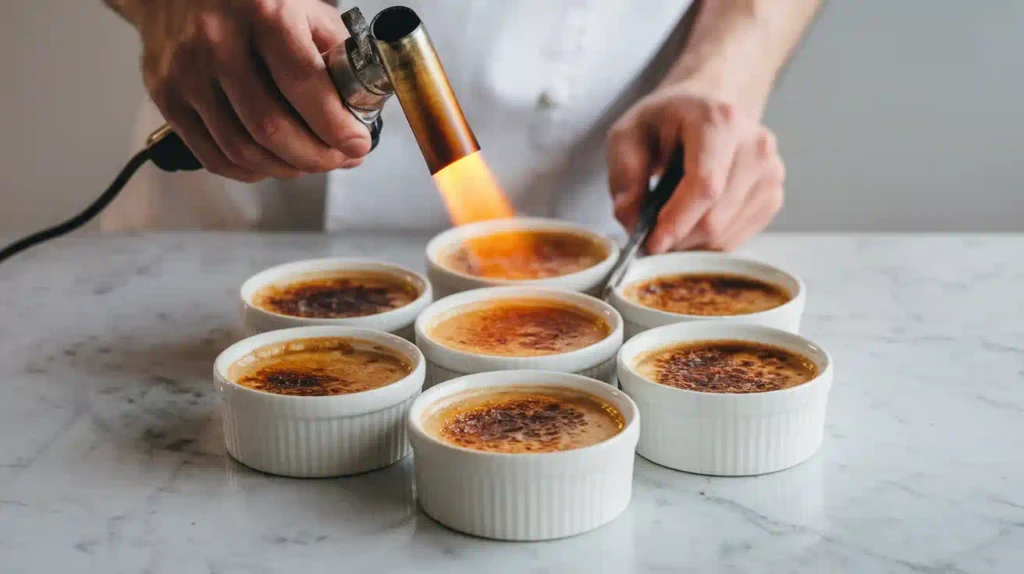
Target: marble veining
x=112 y=458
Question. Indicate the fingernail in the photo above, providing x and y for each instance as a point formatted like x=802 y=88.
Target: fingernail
x=355 y=147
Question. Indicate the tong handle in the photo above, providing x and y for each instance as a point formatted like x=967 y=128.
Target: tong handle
x=659 y=196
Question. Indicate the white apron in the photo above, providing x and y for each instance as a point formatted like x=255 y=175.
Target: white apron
x=539 y=82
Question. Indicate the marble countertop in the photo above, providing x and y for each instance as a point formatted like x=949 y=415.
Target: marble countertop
x=112 y=458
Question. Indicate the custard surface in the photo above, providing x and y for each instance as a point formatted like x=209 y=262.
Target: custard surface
x=337 y=295
x=525 y=254
x=519 y=328
x=320 y=367
x=528 y=419
x=708 y=294
x=726 y=367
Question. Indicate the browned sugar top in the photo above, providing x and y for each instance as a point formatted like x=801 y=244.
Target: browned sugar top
x=708 y=294
x=519 y=328
x=726 y=367
x=337 y=295
x=524 y=420
x=320 y=367
x=520 y=254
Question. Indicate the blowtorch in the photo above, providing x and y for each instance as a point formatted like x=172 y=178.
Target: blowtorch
x=392 y=54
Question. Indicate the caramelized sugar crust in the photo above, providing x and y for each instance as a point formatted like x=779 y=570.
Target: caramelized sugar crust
x=524 y=420
x=708 y=294
x=520 y=254
x=320 y=367
x=337 y=295
x=520 y=328
x=726 y=367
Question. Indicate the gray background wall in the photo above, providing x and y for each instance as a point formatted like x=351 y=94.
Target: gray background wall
x=897 y=115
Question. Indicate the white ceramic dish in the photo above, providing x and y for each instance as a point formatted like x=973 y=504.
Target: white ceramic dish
x=317 y=436
x=639 y=318
x=447 y=281
x=443 y=363
x=523 y=496
x=398 y=321
x=727 y=434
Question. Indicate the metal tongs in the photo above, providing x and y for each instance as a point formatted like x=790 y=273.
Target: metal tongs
x=653 y=202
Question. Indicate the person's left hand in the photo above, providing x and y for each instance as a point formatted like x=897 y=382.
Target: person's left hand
x=732 y=186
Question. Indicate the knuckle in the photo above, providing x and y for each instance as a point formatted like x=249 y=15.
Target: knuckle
x=210 y=28
x=777 y=172
x=267 y=10
x=267 y=129
x=704 y=186
x=712 y=227
x=721 y=113
x=765 y=144
x=776 y=198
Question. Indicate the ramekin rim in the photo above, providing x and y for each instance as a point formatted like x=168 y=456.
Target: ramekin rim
x=441 y=240
x=618 y=294
x=638 y=340
x=259 y=280
x=632 y=426
x=482 y=294
x=251 y=343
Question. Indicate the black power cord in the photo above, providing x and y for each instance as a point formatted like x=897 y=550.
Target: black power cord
x=167 y=151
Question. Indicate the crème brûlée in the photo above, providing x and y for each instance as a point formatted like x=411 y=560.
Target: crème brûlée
x=525 y=254
x=337 y=295
x=523 y=419
x=320 y=367
x=726 y=366
x=519 y=328
x=707 y=294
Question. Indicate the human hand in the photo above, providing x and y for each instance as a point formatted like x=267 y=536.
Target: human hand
x=732 y=185
x=243 y=83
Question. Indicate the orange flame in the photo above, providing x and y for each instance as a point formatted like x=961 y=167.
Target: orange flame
x=471 y=192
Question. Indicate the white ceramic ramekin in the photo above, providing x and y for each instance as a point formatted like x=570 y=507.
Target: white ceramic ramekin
x=444 y=363
x=398 y=321
x=639 y=318
x=447 y=281
x=305 y=436
x=524 y=496
x=727 y=434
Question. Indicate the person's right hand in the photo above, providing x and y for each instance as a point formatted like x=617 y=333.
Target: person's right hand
x=244 y=84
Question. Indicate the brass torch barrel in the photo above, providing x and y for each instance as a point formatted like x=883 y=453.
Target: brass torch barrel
x=422 y=87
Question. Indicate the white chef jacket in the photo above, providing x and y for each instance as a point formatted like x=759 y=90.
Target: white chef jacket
x=539 y=82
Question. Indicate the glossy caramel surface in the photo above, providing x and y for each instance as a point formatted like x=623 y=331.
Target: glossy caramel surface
x=708 y=294
x=726 y=366
x=320 y=367
x=337 y=295
x=528 y=419
x=519 y=328
x=525 y=254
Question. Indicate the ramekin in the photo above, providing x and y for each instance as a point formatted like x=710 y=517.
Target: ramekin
x=727 y=434
x=524 y=496
x=447 y=281
x=398 y=321
x=444 y=363
x=639 y=318
x=306 y=437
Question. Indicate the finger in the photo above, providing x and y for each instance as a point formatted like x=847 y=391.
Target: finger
x=766 y=201
x=709 y=151
x=752 y=157
x=327 y=28
x=237 y=144
x=629 y=163
x=270 y=120
x=286 y=45
x=187 y=124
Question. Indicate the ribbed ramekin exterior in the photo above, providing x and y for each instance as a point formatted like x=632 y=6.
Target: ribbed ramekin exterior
x=521 y=500
x=436 y=374
x=274 y=438
x=722 y=439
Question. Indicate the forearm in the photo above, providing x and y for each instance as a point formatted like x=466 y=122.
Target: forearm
x=737 y=47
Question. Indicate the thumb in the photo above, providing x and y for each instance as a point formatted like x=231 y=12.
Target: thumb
x=629 y=167
x=326 y=27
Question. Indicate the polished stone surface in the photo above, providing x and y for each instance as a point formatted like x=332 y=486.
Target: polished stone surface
x=112 y=459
